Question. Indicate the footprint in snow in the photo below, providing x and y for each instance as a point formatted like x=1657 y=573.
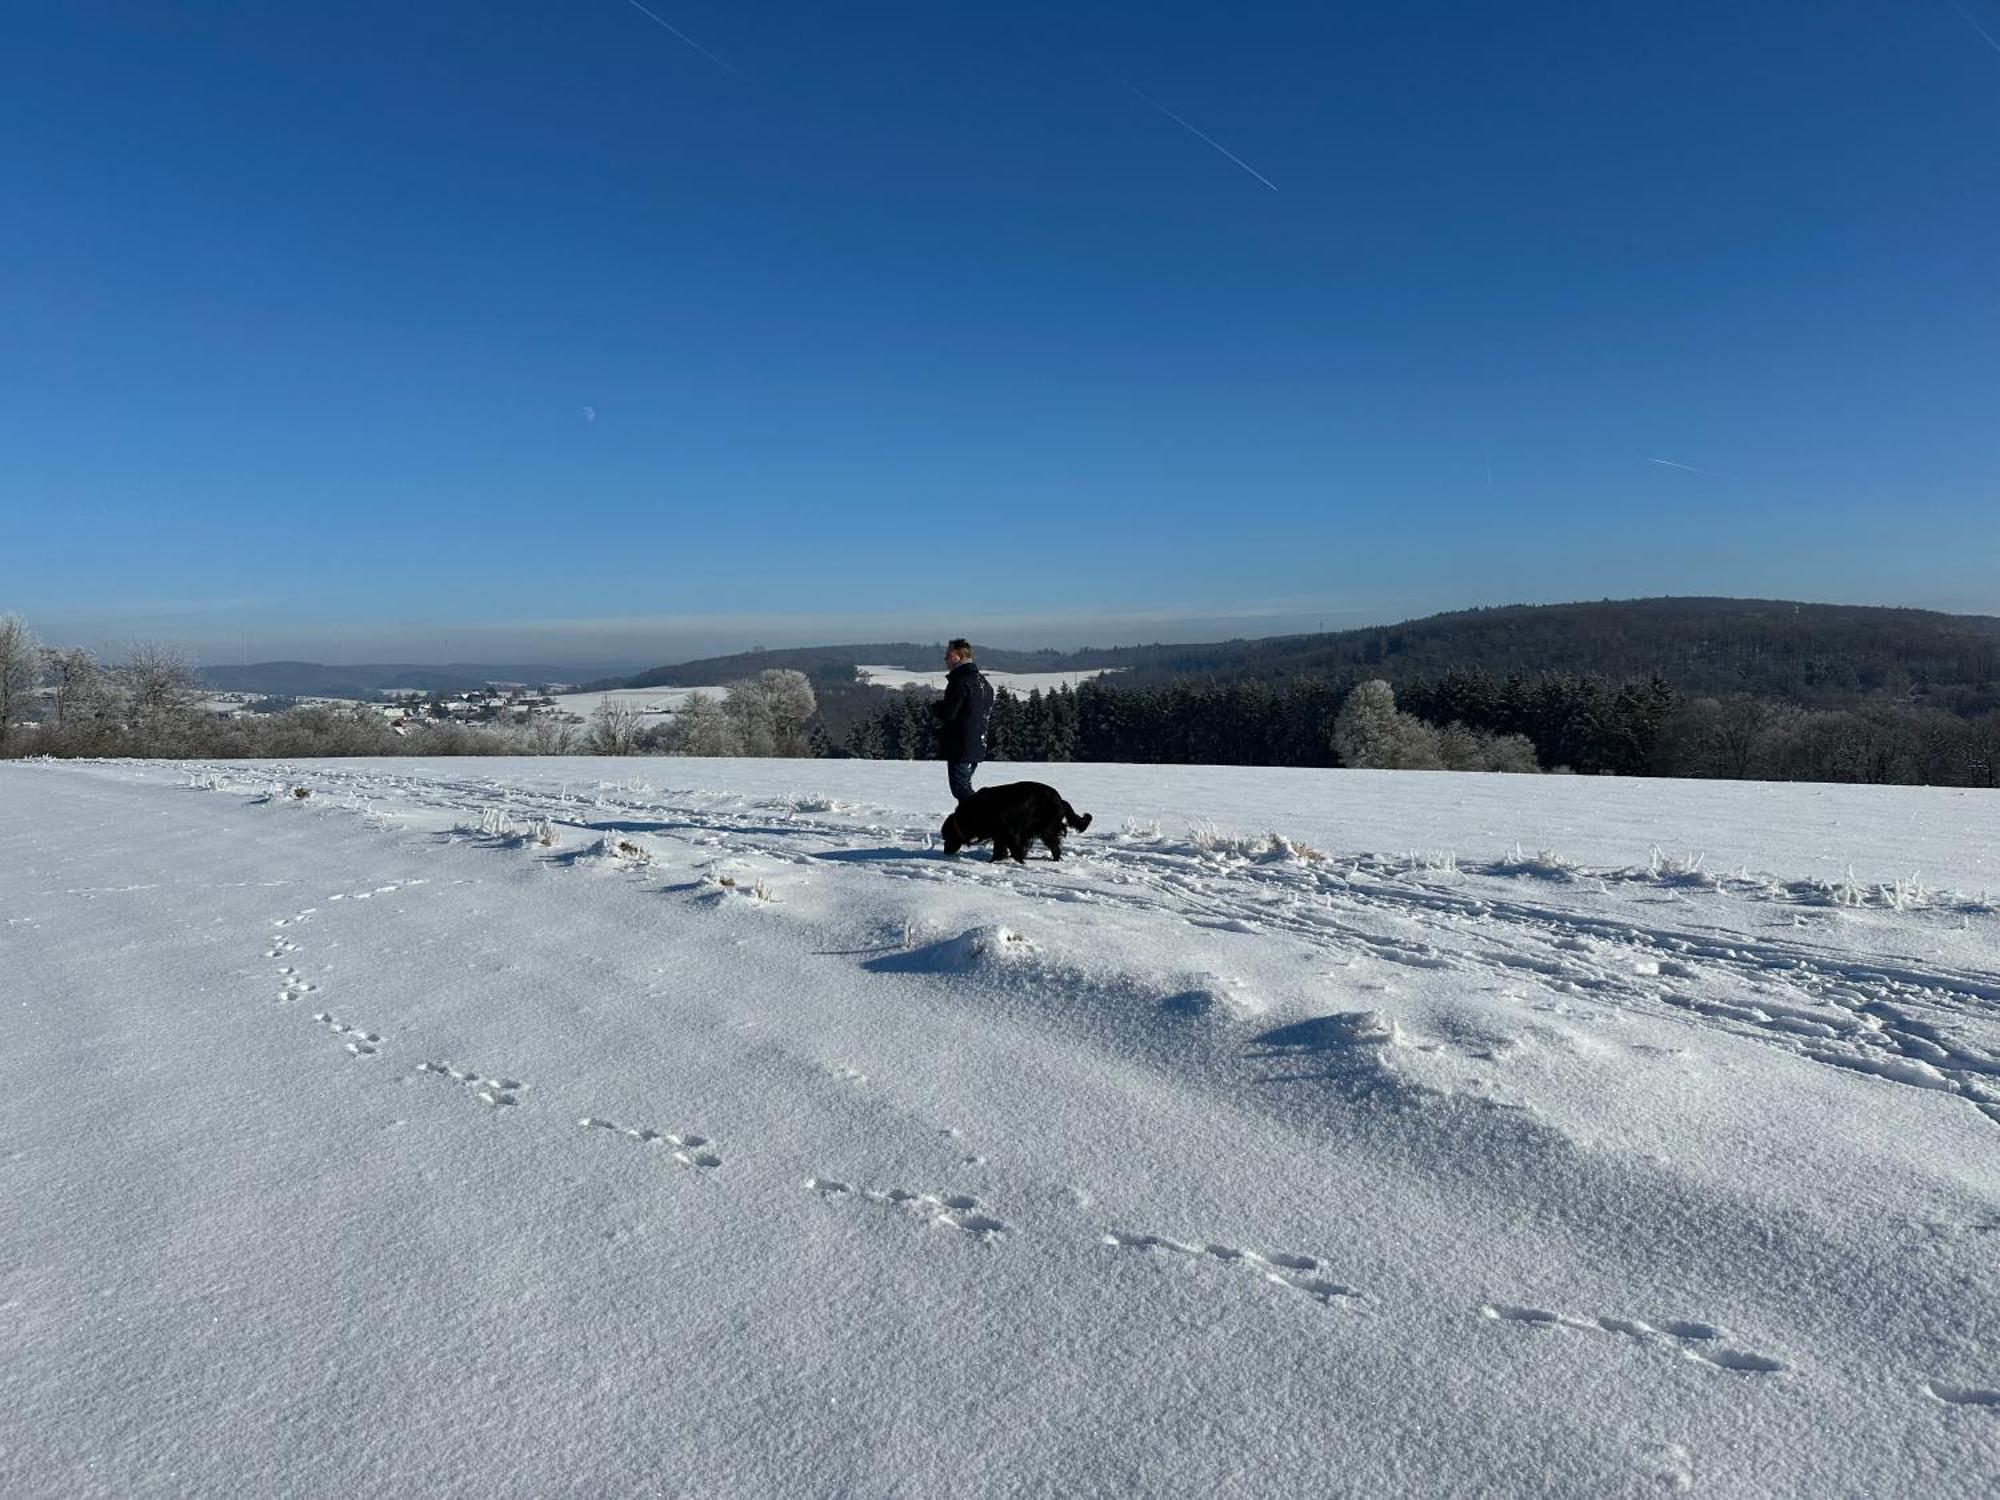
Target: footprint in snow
x=1963 y=1395
x=293 y=987
x=1298 y=1273
x=495 y=1093
x=1695 y=1340
x=360 y=1041
x=960 y=1211
x=695 y=1151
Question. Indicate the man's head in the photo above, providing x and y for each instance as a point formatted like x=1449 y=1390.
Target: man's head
x=959 y=649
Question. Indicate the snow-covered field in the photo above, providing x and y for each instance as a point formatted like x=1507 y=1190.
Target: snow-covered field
x=662 y=701
x=649 y=701
x=1474 y=1137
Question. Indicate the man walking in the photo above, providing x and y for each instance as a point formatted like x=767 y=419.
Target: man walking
x=962 y=716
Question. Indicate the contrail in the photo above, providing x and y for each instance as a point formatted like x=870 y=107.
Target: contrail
x=1984 y=34
x=1670 y=464
x=1208 y=140
x=668 y=25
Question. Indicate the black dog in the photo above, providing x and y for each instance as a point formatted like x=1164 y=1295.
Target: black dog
x=1013 y=816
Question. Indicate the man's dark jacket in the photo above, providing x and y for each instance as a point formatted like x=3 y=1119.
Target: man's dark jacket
x=962 y=716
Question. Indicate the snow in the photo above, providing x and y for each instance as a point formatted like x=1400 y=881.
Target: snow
x=670 y=700
x=1473 y=1135
x=653 y=700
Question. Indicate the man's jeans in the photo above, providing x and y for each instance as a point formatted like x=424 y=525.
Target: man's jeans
x=961 y=778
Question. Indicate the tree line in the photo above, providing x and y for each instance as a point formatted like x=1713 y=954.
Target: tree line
x=65 y=702
x=1466 y=721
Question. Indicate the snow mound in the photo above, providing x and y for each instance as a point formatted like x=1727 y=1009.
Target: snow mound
x=992 y=944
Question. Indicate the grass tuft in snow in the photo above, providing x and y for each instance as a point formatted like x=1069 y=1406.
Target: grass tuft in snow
x=1684 y=870
x=1267 y=847
x=1543 y=864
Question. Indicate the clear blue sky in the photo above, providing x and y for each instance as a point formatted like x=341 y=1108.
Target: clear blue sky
x=332 y=330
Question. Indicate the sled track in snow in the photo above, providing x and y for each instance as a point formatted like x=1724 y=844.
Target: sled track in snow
x=1900 y=1020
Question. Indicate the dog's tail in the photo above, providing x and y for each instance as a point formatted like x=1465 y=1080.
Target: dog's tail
x=1078 y=821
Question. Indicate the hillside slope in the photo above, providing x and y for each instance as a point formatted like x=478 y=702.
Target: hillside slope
x=368 y=1145
x=1803 y=653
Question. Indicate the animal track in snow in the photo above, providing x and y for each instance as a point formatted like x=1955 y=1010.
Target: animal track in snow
x=1963 y=1395
x=960 y=1211
x=1694 y=1340
x=695 y=1151
x=380 y=890
x=1300 y=1273
x=360 y=1041
x=1740 y=1360
x=497 y=1093
x=291 y=986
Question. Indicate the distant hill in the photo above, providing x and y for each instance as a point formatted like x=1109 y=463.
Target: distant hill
x=839 y=662
x=311 y=679
x=1801 y=653
x=1818 y=654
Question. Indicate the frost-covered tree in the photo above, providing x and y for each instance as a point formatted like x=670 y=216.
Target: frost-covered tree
x=750 y=720
x=1463 y=749
x=546 y=734
x=792 y=705
x=328 y=729
x=161 y=693
x=702 y=727
x=614 y=729
x=20 y=675
x=1370 y=733
x=770 y=712
x=88 y=706
x=1511 y=752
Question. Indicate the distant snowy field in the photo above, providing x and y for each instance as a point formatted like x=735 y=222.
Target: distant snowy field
x=1022 y=683
x=670 y=700
x=1534 y=1136
x=655 y=700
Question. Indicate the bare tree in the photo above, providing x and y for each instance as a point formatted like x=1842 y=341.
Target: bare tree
x=162 y=690
x=614 y=729
x=20 y=674
x=88 y=703
x=546 y=734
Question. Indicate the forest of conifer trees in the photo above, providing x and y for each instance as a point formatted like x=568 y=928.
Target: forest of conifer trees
x=1575 y=723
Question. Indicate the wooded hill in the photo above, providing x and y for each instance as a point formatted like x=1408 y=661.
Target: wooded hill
x=1815 y=655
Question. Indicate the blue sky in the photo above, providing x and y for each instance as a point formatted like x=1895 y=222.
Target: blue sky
x=342 y=331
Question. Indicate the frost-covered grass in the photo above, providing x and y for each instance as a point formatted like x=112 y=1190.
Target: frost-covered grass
x=569 y=1127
